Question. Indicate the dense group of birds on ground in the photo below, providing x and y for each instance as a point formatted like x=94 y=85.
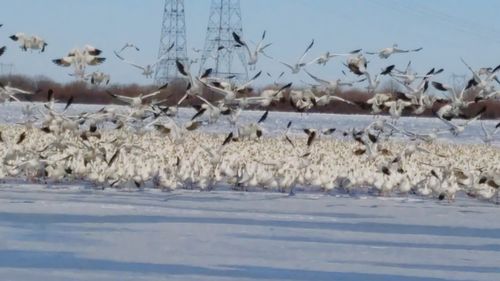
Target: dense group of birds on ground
x=145 y=143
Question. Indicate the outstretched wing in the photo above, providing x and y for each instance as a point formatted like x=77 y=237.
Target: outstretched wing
x=120 y=97
x=306 y=51
x=287 y=65
x=151 y=94
x=475 y=75
x=317 y=79
x=129 y=62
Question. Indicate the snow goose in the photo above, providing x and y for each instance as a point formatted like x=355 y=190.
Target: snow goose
x=331 y=85
x=80 y=58
x=147 y=70
x=253 y=55
x=373 y=83
x=457 y=102
x=325 y=58
x=313 y=134
x=357 y=64
x=387 y=52
x=137 y=102
x=483 y=85
x=264 y=100
x=407 y=77
x=457 y=129
x=300 y=63
x=196 y=85
x=29 y=42
x=98 y=77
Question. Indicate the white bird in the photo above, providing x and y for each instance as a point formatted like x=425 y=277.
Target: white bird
x=373 y=83
x=300 y=63
x=98 y=77
x=408 y=76
x=331 y=85
x=147 y=70
x=457 y=129
x=196 y=84
x=29 y=42
x=457 y=102
x=265 y=98
x=387 y=52
x=137 y=102
x=357 y=64
x=80 y=58
x=483 y=85
x=325 y=58
x=129 y=45
x=253 y=56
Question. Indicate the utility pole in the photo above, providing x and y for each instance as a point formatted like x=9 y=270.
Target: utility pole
x=172 y=42
x=220 y=54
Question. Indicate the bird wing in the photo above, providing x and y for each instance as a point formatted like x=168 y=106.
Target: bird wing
x=127 y=61
x=474 y=74
x=262 y=48
x=397 y=50
x=91 y=60
x=217 y=90
x=240 y=41
x=135 y=65
x=261 y=40
x=449 y=123
x=151 y=94
x=245 y=85
x=17 y=90
x=124 y=47
x=341 y=99
x=315 y=60
x=120 y=97
x=205 y=100
x=287 y=65
x=306 y=51
x=317 y=79
x=65 y=61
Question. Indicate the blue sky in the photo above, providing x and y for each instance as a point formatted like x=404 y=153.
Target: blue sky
x=446 y=29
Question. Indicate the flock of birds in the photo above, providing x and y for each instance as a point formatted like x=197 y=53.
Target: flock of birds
x=145 y=143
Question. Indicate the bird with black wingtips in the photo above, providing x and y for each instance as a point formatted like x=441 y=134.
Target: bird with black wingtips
x=253 y=55
x=387 y=52
x=297 y=66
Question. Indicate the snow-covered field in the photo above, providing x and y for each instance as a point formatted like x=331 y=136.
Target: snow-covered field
x=72 y=233
x=77 y=233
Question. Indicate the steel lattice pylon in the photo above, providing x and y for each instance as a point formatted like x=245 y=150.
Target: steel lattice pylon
x=173 y=32
x=224 y=19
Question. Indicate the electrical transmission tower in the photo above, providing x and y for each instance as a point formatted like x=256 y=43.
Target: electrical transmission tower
x=173 y=33
x=219 y=53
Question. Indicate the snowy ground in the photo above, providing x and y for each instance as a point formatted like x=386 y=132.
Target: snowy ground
x=76 y=233
x=80 y=234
